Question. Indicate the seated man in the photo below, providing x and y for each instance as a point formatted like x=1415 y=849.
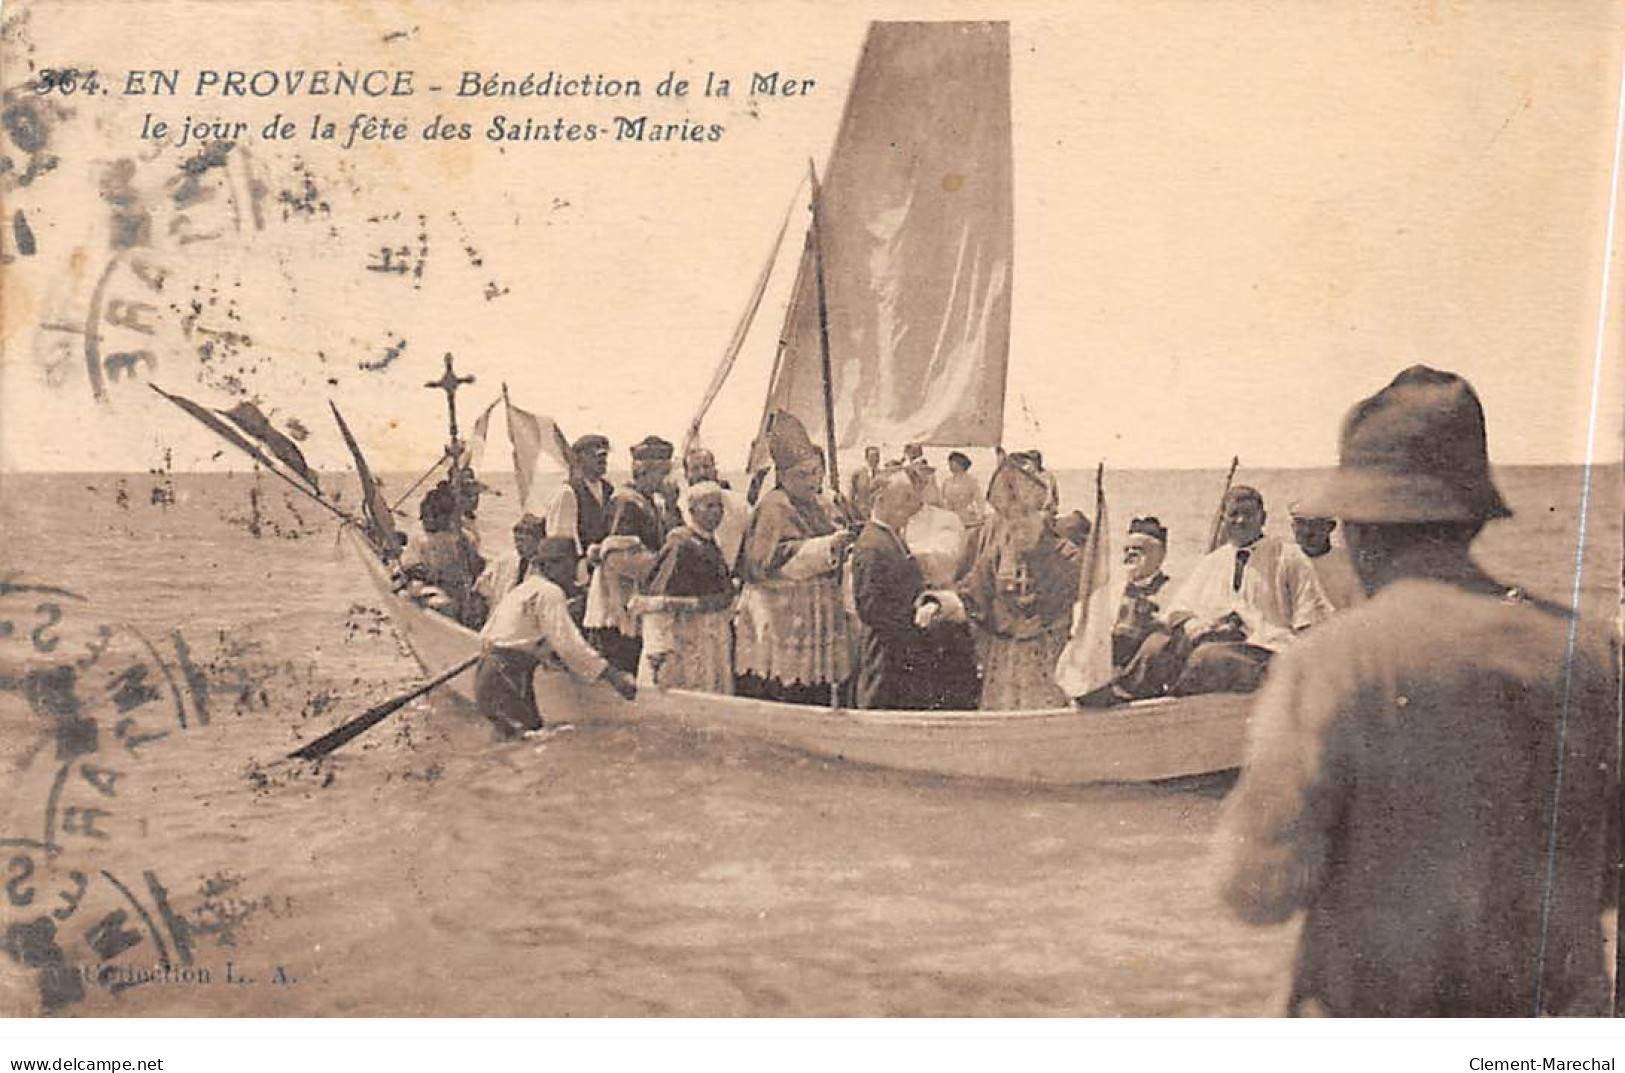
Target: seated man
x=441 y=563
x=529 y=623
x=1332 y=563
x=1138 y=615
x=1244 y=601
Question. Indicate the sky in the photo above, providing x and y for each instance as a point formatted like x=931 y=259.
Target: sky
x=1232 y=221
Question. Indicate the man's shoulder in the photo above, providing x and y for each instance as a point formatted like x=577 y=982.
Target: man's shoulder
x=1429 y=627
x=874 y=538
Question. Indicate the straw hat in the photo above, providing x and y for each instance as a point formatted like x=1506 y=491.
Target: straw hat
x=1413 y=452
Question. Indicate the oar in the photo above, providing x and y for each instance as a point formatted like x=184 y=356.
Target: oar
x=370 y=718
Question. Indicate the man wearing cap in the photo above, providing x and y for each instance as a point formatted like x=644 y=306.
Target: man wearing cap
x=1331 y=562
x=793 y=638
x=579 y=509
x=1431 y=776
x=529 y=625
x=641 y=515
x=1137 y=616
x=1243 y=602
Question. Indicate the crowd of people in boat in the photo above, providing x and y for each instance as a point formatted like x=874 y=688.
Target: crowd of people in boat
x=1406 y=761
x=904 y=593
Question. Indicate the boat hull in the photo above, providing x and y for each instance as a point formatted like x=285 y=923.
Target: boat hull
x=1146 y=741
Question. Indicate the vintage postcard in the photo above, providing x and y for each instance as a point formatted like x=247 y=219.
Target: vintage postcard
x=796 y=509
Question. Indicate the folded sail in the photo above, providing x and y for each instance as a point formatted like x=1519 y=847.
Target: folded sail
x=916 y=239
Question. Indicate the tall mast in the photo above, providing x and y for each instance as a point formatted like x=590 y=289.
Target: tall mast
x=816 y=239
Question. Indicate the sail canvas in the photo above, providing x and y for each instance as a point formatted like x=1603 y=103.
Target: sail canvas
x=915 y=236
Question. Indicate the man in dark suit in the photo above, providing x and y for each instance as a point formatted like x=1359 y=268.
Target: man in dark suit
x=894 y=655
x=908 y=657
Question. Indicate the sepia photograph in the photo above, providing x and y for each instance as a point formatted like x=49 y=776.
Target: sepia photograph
x=857 y=510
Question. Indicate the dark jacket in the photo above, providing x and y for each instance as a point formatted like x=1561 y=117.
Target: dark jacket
x=895 y=657
x=1430 y=777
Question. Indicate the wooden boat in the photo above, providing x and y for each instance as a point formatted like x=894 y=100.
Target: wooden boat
x=1141 y=742
x=897 y=332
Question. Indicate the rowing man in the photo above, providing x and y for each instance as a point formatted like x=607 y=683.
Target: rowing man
x=530 y=623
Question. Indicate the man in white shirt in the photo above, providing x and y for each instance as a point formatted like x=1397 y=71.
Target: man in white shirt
x=506 y=570
x=529 y=623
x=1243 y=602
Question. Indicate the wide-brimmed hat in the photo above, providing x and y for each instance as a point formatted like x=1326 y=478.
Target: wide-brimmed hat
x=1413 y=452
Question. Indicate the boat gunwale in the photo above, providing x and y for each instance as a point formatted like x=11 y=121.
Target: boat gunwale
x=1117 y=718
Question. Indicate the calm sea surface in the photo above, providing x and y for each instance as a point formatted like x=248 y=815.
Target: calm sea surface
x=614 y=871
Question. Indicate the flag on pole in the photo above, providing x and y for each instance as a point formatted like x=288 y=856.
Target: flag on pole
x=1086 y=661
x=375 y=510
x=473 y=456
x=249 y=418
x=534 y=436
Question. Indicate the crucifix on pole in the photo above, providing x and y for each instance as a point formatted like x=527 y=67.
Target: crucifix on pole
x=449 y=382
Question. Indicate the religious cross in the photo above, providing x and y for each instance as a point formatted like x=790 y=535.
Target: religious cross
x=449 y=382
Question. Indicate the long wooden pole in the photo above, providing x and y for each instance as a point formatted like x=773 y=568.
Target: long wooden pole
x=1216 y=532
x=833 y=469
x=1091 y=549
x=346 y=732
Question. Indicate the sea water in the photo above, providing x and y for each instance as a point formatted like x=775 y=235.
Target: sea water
x=630 y=870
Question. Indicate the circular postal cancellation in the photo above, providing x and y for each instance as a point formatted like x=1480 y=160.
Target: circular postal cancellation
x=94 y=716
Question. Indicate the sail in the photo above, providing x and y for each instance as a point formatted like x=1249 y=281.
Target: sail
x=915 y=233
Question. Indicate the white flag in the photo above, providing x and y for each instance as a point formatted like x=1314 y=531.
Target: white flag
x=474 y=449
x=1086 y=661
x=534 y=436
